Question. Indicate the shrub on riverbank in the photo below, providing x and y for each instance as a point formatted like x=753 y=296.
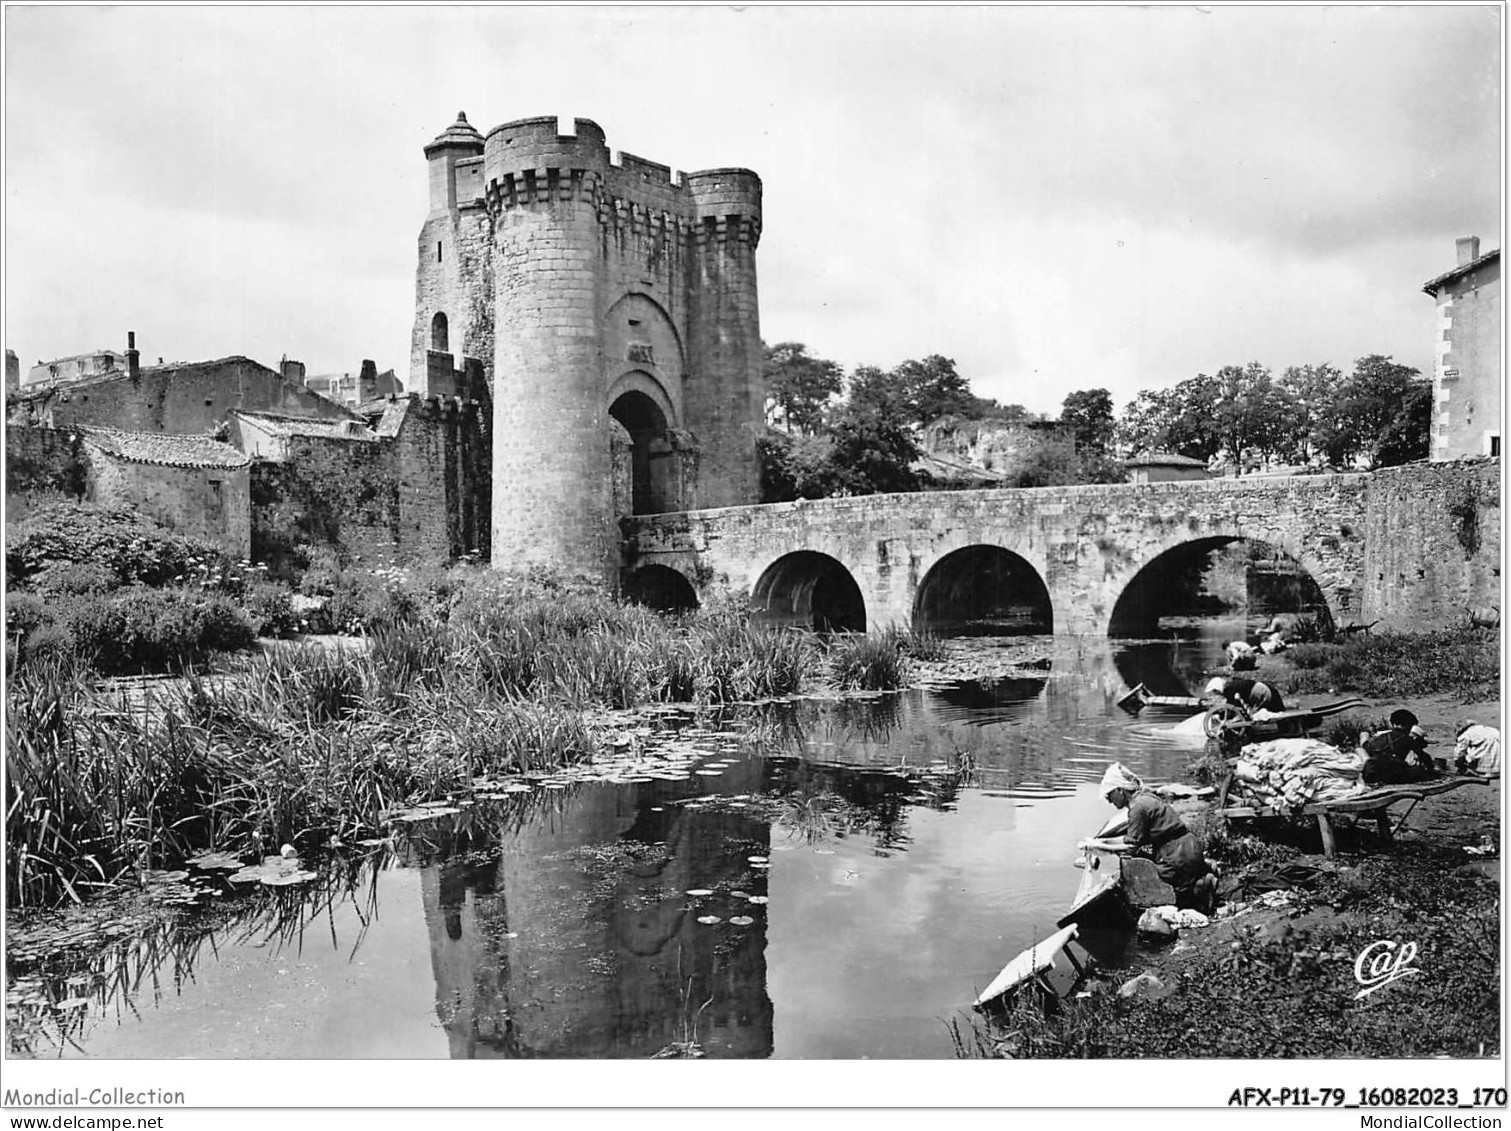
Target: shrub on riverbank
x=130 y=630
x=1465 y=661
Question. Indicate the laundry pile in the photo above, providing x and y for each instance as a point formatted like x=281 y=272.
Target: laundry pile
x=1288 y=773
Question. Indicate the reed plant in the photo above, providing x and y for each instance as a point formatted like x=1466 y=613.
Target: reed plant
x=868 y=663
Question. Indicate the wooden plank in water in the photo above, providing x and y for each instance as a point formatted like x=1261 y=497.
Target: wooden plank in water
x=1101 y=873
x=1032 y=962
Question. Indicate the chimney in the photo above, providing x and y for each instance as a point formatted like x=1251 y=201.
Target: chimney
x=1468 y=248
x=133 y=358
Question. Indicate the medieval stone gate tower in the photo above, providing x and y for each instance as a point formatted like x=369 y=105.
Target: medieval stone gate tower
x=609 y=311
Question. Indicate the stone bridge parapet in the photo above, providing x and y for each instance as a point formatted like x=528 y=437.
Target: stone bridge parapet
x=1386 y=547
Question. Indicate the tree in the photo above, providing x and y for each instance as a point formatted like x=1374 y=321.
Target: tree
x=794 y=467
x=1089 y=413
x=1317 y=424
x=1253 y=413
x=1392 y=405
x=873 y=452
x=1182 y=419
x=799 y=386
x=933 y=388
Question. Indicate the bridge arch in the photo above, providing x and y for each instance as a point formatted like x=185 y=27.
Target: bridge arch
x=983 y=590
x=1145 y=595
x=808 y=589
x=659 y=587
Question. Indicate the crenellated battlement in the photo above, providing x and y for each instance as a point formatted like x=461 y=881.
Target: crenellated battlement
x=530 y=162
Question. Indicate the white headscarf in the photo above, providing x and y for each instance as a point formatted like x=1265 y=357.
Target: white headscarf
x=1118 y=776
x=1216 y=685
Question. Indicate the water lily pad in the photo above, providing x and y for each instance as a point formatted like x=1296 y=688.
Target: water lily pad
x=710 y=773
x=740 y=894
x=741 y=920
x=286 y=879
x=757 y=859
x=758 y=898
x=215 y=862
x=699 y=891
x=161 y=877
x=274 y=871
x=710 y=919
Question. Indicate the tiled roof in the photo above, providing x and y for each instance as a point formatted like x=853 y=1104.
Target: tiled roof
x=1164 y=459
x=280 y=425
x=948 y=469
x=1433 y=286
x=165 y=449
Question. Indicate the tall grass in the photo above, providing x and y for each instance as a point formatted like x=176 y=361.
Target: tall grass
x=303 y=743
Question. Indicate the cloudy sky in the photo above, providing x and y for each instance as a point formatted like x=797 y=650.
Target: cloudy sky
x=1057 y=198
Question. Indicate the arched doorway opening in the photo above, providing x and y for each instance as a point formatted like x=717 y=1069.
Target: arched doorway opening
x=1240 y=580
x=983 y=591
x=440 y=334
x=809 y=590
x=643 y=419
x=661 y=588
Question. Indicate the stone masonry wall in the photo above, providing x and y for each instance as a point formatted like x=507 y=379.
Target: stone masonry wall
x=1433 y=543
x=209 y=503
x=43 y=464
x=419 y=493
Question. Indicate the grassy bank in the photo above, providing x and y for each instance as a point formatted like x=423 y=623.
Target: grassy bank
x=1463 y=660
x=1283 y=985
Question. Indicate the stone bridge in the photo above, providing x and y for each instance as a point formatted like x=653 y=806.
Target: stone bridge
x=1407 y=547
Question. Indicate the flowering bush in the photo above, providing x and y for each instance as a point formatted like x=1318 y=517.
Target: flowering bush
x=132 y=548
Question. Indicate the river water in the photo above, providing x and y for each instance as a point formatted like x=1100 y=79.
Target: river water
x=839 y=884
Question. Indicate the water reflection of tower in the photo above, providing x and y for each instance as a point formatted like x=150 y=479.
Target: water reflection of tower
x=578 y=940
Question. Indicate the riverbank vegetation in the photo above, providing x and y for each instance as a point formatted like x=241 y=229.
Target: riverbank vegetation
x=1464 y=660
x=453 y=676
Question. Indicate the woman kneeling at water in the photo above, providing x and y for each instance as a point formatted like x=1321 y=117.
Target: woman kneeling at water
x=1155 y=829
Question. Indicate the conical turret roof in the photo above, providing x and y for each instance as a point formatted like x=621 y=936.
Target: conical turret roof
x=460 y=134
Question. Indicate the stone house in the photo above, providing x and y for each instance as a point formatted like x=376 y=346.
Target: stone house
x=1164 y=467
x=1466 y=404
x=185 y=398
x=194 y=485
